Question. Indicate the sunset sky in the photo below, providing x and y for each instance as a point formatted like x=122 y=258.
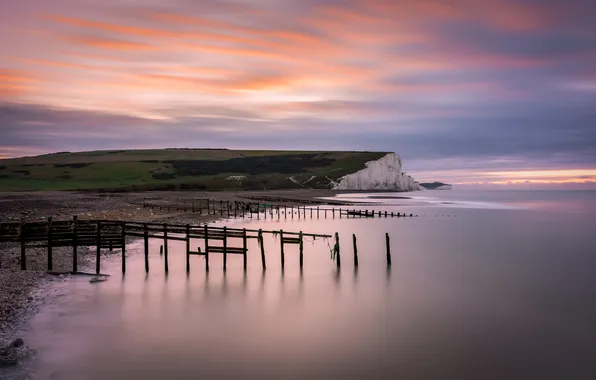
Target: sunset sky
x=498 y=92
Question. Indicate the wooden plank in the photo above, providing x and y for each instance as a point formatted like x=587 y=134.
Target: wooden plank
x=230 y=250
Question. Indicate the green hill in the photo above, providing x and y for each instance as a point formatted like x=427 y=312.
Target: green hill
x=180 y=169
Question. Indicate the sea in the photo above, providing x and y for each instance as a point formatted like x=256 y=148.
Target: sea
x=482 y=285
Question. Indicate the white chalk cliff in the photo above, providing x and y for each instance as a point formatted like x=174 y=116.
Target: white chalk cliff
x=382 y=174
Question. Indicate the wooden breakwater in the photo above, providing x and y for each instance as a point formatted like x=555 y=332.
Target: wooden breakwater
x=106 y=234
x=237 y=209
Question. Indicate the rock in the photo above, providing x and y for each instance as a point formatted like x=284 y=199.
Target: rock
x=61 y=276
x=8 y=354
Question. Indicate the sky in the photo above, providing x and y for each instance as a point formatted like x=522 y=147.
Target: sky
x=493 y=93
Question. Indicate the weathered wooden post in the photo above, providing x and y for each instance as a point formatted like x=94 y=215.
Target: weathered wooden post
x=165 y=247
x=193 y=205
x=333 y=212
x=391 y=213
x=244 y=247
x=317 y=212
x=235 y=209
x=98 y=252
x=206 y=249
x=146 y=241
x=325 y=213
x=123 y=232
x=337 y=253
x=285 y=211
x=310 y=212
x=221 y=207
x=23 y=246
x=355 y=250
x=161 y=250
x=388 y=249
x=301 y=250
x=283 y=256
x=187 y=248
x=75 y=259
x=50 y=260
x=225 y=248
x=260 y=240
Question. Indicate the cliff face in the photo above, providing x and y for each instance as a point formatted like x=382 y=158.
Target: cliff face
x=382 y=174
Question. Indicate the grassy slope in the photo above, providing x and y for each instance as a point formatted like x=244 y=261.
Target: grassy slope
x=169 y=169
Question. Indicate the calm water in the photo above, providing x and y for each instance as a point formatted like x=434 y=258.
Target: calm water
x=484 y=285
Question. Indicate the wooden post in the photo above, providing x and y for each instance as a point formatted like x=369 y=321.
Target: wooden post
x=123 y=247
x=392 y=213
x=161 y=250
x=310 y=212
x=325 y=213
x=285 y=212
x=206 y=248
x=187 y=248
x=225 y=248
x=385 y=214
x=283 y=256
x=50 y=261
x=110 y=245
x=23 y=246
x=260 y=239
x=235 y=209
x=388 y=249
x=75 y=260
x=221 y=207
x=355 y=250
x=165 y=247
x=301 y=250
x=317 y=212
x=244 y=246
x=338 y=257
x=146 y=241
x=333 y=212
x=98 y=252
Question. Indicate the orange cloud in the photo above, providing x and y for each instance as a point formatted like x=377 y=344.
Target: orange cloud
x=529 y=174
x=110 y=44
x=14 y=83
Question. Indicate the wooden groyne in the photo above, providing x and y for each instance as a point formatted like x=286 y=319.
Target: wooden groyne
x=105 y=234
x=236 y=209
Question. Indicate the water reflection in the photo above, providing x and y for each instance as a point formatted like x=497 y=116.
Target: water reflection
x=486 y=295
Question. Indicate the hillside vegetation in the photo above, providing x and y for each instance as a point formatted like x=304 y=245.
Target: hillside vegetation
x=180 y=169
